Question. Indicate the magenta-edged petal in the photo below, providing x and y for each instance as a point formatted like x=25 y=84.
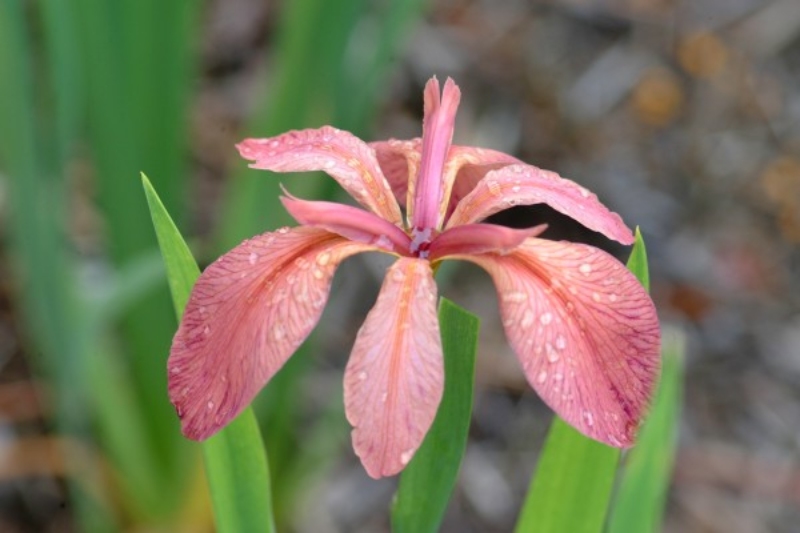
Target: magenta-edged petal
x=525 y=185
x=350 y=222
x=480 y=238
x=584 y=330
x=345 y=157
x=395 y=376
x=437 y=134
x=248 y=312
x=399 y=161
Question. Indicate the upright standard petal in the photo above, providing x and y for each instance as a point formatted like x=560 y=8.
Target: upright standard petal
x=584 y=330
x=248 y=312
x=395 y=377
x=399 y=161
x=526 y=185
x=345 y=157
x=437 y=134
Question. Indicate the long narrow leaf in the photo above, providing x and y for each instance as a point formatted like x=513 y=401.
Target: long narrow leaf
x=642 y=491
x=235 y=459
x=428 y=481
x=574 y=479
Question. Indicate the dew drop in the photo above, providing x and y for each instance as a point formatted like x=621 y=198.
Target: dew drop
x=252 y=258
x=318 y=274
x=301 y=263
x=515 y=188
x=278 y=333
x=384 y=396
x=613 y=297
x=206 y=330
x=595 y=297
x=362 y=376
x=546 y=318
x=589 y=417
x=527 y=319
x=558 y=376
x=284 y=230
x=585 y=269
x=210 y=405
x=398 y=275
x=515 y=297
x=323 y=258
x=542 y=376
x=330 y=163
x=406 y=456
x=552 y=354
x=495 y=189
x=584 y=192
x=561 y=342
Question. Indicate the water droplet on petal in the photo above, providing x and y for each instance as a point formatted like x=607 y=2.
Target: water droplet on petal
x=542 y=376
x=210 y=405
x=612 y=297
x=362 y=376
x=406 y=456
x=301 y=263
x=323 y=258
x=384 y=396
x=278 y=332
x=595 y=297
x=585 y=269
x=252 y=258
x=206 y=330
x=584 y=192
x=561 y=342
x=330 y=163
x=589 y=417
x=552 y=354
x=527 y=319
x=515 y=297
x=546 y=318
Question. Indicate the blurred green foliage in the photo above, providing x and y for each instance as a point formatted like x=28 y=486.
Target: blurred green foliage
x=106 y=87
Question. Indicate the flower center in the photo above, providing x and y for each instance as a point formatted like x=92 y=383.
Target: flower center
x=420 y=242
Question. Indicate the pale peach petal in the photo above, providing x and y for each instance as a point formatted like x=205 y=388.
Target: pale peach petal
x=399 y=161
x=584 y=330
x=395 y=377
x=525 y=185
x=350 y=222
x=478 y=239
x=343 y=156
x=248 y=312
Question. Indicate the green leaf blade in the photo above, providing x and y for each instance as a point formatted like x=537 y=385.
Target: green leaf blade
x=427 y=483
x=235 y=459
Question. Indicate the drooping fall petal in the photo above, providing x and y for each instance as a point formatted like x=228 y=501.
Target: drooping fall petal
x=350 y=222
x=395 y=376
x=479 y=239
x=526 y=185
x=437 y=134
x=584 y=330
x=248 y=312
x=345 y=157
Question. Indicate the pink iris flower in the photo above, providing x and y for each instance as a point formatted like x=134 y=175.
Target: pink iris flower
x=583 y=328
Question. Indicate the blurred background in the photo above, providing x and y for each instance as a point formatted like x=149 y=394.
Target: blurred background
x=683 y=116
